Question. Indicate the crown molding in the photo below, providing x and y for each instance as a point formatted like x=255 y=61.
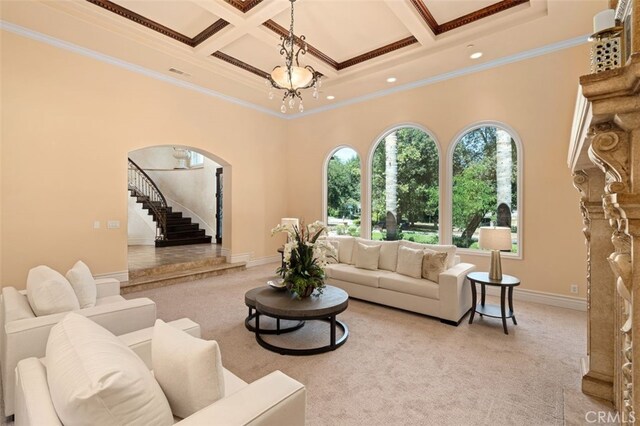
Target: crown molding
x=532 y=53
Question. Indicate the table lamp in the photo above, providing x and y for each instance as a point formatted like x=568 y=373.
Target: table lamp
x=291 y=221
x=495 y=238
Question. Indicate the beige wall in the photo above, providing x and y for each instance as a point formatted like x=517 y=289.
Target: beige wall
x=68 y=122
x=535 y=97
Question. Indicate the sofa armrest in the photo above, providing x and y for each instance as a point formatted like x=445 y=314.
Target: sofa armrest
x=140 y=341
x=106 y=287
x=275 y=399
x=455 y=292
x=33 y=401
x=28 y=337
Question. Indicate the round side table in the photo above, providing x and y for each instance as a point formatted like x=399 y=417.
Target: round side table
x=507 y=283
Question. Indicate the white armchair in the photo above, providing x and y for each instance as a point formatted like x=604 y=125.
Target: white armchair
x=24 y=335
x=275 y=399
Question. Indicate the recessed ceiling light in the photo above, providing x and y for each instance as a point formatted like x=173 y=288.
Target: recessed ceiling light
x=331 y=97
x=475 y=55
x=392 y=80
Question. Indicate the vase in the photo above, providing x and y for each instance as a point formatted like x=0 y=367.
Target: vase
x=308 y=290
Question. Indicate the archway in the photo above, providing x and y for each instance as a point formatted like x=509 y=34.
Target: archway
x=177 y=207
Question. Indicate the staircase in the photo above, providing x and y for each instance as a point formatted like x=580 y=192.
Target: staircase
x=172 y=228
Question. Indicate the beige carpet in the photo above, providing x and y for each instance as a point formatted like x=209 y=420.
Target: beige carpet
x=398 y=367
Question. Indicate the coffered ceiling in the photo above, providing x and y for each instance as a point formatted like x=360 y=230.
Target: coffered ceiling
x=229 y=46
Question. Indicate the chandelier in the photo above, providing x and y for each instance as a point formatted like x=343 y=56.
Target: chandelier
x=292 y=77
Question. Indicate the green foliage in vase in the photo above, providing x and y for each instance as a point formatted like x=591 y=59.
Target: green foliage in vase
x=305 y=256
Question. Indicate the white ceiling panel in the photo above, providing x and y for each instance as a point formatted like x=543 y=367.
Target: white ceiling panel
x=344 y=29
x=185 y=17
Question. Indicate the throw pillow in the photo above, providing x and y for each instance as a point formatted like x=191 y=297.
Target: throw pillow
x=410 y=262
x=188 y=369
x=48 y=292
x=433 y=263
x=95 y=379
x=367 y=256
x=83 y=284
x=335 y=258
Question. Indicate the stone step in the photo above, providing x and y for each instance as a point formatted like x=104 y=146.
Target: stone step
x=176 y=267
x=148 y=282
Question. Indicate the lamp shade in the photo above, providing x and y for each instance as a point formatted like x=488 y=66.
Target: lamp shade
x=300 y=77
x=495 y=238
x=291 y=221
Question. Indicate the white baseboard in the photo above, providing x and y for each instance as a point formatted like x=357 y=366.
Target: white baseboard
x=569 y=302
x=141 y=242
x=121 y=276
x=247 y=258
x=264 y=261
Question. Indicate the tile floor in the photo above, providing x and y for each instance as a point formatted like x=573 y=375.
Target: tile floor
x=142 y=257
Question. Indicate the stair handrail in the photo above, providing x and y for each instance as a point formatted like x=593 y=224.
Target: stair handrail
x=140 y=183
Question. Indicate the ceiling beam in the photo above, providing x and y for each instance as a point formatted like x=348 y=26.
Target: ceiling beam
x=259 y=14
x=410 y=19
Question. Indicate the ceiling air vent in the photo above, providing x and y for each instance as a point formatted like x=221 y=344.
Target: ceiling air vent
x=179 y=72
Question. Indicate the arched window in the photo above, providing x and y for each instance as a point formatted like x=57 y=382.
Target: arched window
x=343 y=192
x=405 y=191
x=485 y=184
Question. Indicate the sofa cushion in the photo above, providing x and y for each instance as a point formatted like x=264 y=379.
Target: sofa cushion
x=410 y=262
x=335 y=258
x=388 y=256
x=354 y=275
x=409 y=285
x=366 y=256
x=49 y=292
x=109 y=300
x=433 y=264
x=15 y=305
x=95 y=379
x=189 y=370
x=345 y=247
x=388 y=252
x=83 y=284
x=449 y=249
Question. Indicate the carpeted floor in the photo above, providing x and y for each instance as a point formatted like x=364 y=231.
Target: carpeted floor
x=398 y=367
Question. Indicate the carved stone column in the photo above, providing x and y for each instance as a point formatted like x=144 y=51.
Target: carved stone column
x=598 y=367
x=615 y=149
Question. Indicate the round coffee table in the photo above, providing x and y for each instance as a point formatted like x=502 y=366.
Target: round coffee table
x=283 y=305
x=250 y=301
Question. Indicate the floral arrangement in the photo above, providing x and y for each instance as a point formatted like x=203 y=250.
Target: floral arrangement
x=305 y=256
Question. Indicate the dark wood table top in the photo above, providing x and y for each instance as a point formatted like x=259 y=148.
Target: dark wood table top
x=483 y=277
x=286 y=305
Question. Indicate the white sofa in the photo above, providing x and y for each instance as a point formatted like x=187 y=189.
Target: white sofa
x=275 y=399
x=449 y=299
x=24 y=335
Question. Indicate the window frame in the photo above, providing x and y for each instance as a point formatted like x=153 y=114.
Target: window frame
x=448 y=207
x=325 y=182
x=365 y=227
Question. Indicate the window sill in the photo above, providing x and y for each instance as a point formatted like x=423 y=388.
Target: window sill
x=487 y=253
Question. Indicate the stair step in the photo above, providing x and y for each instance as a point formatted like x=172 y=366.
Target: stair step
x=192 y=233
x=176 y=277
x=176 y=267
x=174 y=215
x=184 y=241
x=180 y=221
x=186 y=227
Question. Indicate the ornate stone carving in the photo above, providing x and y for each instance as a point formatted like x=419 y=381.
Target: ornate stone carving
x=609 y=151
x=581 y=183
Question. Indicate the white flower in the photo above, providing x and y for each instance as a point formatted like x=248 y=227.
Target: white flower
x=288 y=247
